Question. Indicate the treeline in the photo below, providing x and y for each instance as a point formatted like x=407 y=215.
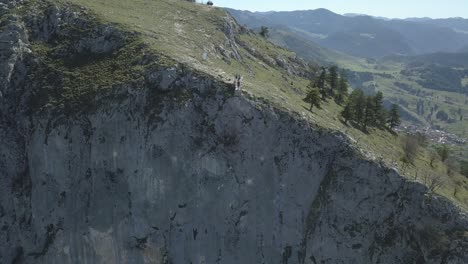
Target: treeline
x=328 y=84
x=368 y=111
x=437 y=77
x=359 y=110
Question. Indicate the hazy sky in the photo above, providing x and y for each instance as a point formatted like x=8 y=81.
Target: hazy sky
x=386 y=8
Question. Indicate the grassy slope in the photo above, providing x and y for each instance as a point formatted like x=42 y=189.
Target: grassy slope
x=450 y=102
x=185 y=31
x=465 y=82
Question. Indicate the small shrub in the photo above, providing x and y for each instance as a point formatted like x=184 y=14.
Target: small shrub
x=433 y=181
x=464 y=168
x=410 y=148
x=444 y=152
x=264 y=32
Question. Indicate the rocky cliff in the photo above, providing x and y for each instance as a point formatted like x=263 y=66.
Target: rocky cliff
x=173 y=167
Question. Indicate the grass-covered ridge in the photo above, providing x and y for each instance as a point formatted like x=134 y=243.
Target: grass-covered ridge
x=206 y=39
x=194 y=34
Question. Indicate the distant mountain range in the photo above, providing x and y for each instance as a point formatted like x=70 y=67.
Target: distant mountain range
x=308 y=50
x=365 y=36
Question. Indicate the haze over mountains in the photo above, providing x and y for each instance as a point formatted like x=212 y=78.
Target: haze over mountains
x=366 y=36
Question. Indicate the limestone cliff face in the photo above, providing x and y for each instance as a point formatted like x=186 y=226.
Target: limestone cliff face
x=213 y=178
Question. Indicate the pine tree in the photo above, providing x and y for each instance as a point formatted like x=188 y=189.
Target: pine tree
x=320 y=83
x=360 y=108
x=313 y=98
x=264 y=32
x=380 y=112
x=369 y=113
x=357 y=100
x=312 y=84
x=394 y=117
x=381 y=118
x=347 y=113
x=378 y=99
x=333 y=80
x=342 y=92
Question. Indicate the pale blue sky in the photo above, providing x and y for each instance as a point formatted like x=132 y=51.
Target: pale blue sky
x=386 y=8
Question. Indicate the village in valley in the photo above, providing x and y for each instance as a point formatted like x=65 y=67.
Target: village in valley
x=434 y=135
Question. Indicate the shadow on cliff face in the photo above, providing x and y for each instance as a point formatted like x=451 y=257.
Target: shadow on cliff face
x=232 y=180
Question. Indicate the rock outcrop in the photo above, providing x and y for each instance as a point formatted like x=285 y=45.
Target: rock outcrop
x=13 y=44
x=175 y=169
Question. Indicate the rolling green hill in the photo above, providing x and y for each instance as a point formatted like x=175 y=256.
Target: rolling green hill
x=311 y=51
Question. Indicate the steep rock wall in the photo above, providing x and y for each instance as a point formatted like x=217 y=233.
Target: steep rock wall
x=213 y=180
x=149 y=177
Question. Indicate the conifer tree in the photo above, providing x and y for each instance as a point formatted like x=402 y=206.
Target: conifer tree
x=333 y=80
x=366 y=111
x=358 y=105
x=378 y=99
x=264 y=32
x=342 y=92
x=369 y=112
x=320 y=83
x=347 y=113
x=380 y=112
x=313 y=98
x=394 y=117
